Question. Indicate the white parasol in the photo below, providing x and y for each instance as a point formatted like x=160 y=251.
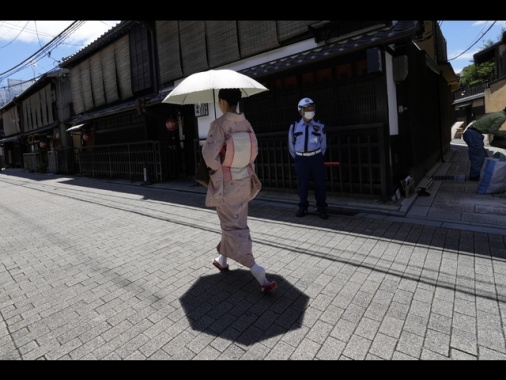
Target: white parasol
x=203 y=87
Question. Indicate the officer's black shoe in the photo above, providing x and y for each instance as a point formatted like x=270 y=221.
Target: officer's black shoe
x=323 y=214
x=301 y=212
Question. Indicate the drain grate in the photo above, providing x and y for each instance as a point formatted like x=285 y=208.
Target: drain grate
x=449 y=177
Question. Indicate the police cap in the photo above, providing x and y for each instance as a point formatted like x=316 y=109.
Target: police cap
x=305 y=102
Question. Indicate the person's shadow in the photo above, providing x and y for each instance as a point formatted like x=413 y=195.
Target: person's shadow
x=232 y=306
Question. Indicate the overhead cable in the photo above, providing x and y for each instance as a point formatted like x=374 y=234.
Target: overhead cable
x=475 y=42
x=41 y=53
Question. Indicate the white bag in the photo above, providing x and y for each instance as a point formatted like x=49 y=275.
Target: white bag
x=492 y=177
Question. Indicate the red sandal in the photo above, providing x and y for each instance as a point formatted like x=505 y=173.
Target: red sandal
x=217 y=265
x=269 y=287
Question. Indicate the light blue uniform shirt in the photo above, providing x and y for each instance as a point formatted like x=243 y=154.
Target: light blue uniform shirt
x=305 y=138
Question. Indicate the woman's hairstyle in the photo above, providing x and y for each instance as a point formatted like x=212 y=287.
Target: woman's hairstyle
x=231 y=95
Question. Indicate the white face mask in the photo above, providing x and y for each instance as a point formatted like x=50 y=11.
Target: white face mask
x=309 y=115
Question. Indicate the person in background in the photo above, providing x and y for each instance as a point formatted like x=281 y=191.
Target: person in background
x=307 y=143
x=174 y=151
x=230 y=188
x=473 y=136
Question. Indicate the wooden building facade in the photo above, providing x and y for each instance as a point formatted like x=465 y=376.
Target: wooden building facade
x=383 y=89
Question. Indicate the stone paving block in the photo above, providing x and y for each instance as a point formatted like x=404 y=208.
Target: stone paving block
x=343 y=330
x=464 y=341
x=367 y=328
x=319 y=332
x=357 y=347
x=350 y=288
x=410 y=344
x=331 y=349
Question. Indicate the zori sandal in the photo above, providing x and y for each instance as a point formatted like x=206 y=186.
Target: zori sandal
x=217 y=265
x=269 y=287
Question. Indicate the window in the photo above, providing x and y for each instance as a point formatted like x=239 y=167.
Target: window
x=324 y=75
x=290 y=82
x=307 y=78
x=361 y=67
x=343 y=71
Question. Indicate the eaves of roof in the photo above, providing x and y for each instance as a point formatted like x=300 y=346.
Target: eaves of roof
x=488 y=53
x=10 y=138
x=485 y=54
x=109 y=111
x=128 y=105
x=450 y=76
x=468 y=98
x=42 y=129
x=158 y=98
x=386 y=35
x=32 y=131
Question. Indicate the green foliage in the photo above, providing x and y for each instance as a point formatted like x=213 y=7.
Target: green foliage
x=475 y=74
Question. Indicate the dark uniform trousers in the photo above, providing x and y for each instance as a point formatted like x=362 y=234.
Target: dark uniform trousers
x=476 y=151
x=311 y=167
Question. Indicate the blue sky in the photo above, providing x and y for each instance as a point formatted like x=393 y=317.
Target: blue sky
x=465 y=38
x=21 y=42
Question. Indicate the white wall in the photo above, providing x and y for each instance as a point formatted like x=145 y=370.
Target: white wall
x=393 y=116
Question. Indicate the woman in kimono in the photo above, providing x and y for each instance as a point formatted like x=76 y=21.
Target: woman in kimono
x=233 y=183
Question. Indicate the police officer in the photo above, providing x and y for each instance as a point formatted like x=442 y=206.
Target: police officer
x=307 y=143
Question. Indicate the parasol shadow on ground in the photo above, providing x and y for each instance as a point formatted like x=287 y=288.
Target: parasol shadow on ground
x=230 y=305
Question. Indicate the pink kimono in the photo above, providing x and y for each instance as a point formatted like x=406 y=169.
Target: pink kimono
x=230 y=187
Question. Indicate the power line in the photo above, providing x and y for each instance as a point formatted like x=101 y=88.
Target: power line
x=46 y=49
x=37 y=32
x=49 y=46
x=474 y=43
x=14 y=39
x=25 y=29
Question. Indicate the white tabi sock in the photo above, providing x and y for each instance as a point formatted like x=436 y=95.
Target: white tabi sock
x=222 y=260
x=259 y=273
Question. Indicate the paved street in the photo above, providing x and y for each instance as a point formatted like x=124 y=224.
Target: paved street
x=101 y=270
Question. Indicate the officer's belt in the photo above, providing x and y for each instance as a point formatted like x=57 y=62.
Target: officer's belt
x=308 y=154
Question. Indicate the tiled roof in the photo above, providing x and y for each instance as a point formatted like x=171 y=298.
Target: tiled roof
x=379 y=37
x=107 y=111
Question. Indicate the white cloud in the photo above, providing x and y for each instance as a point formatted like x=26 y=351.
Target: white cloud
x=44 y=31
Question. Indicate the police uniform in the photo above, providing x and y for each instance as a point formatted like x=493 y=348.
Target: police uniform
x=307 y=144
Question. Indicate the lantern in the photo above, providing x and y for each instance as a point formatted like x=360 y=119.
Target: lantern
x=86 y=137
x=170 y=124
